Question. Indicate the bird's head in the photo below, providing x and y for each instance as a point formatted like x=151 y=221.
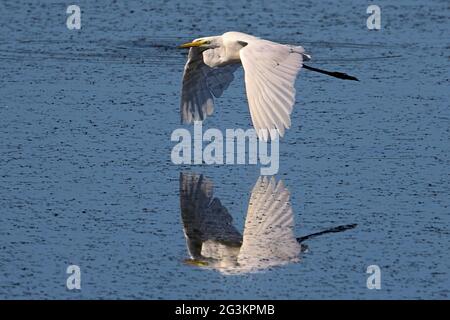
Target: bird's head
x=205 y=43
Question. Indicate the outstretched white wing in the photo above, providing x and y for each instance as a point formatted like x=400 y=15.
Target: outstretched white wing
x=270 y=72
x=200 y=84
x=205 y=219
x=268 y=235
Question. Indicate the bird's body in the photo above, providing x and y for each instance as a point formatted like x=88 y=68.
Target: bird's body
x=270 y=71
x=268 y=239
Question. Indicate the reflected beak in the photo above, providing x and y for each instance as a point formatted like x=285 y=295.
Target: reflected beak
x=191 y=44
x=195 y=262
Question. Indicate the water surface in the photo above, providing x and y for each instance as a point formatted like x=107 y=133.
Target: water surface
x=85 y=170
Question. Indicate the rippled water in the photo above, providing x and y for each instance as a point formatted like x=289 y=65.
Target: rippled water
x=85 y=170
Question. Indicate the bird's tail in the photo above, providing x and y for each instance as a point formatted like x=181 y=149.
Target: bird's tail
x=306 y=57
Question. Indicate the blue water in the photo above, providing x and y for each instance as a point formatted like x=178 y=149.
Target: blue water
x=86 y=176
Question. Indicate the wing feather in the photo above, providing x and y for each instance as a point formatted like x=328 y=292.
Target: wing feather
x=204 y=217
x=270 y=73
x=201 y=84
x=268 y=238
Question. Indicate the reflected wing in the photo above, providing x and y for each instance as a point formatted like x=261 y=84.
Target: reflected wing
x=204 y=217
x=200 y=84
x=268 y=235
x=270 y=73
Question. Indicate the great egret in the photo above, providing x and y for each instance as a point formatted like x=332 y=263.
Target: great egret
x=270 y=71
x=214 y=242
x=268 y=240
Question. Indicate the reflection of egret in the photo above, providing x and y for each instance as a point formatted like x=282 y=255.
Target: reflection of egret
x=270 y=72
x=214 y=242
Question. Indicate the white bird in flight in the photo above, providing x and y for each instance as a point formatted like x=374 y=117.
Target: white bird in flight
x=214 y=242
x=270 y=71
x=268 y=239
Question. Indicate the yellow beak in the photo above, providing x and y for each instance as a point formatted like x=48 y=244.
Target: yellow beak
x=192 y=44
x=195 y=262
